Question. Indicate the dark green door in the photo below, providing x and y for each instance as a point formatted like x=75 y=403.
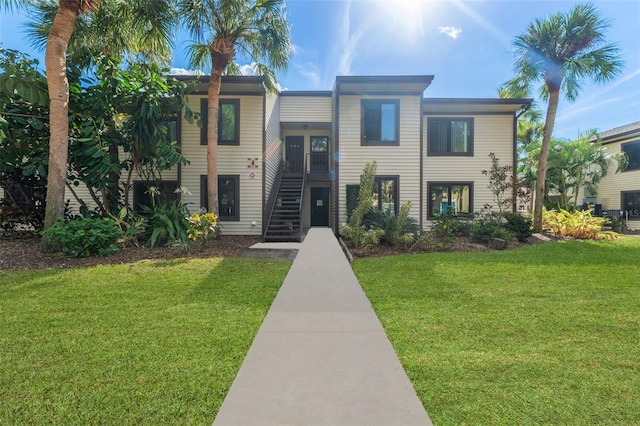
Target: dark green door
x=319 y=206
x=294 y=151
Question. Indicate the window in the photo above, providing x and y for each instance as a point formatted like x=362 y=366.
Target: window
x=385 y=193
x=456 y=197
x=631 y=203
x=228 y=196
x=165 y=193
x=228 y=122
x=632 y=149
x=450 y=136
x=319 y=154
x=379 y=125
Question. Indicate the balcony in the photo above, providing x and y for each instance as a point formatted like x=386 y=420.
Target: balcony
x=318 y=163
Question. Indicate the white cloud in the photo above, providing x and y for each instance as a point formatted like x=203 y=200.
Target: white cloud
x=310 y=72
x=248 y=69
x=451 y=31
x=183 y=71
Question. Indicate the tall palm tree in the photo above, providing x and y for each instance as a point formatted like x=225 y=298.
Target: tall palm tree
x=133 y=30
x=258 y=29
x=149 y=28
x=561 y=52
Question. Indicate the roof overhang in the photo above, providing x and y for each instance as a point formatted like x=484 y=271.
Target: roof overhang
x=618 y=134
x=231 y=84
x=475 y=105
x=400 y=84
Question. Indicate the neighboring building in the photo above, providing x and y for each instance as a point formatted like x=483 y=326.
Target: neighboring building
x=282 y=152
x=619 y=193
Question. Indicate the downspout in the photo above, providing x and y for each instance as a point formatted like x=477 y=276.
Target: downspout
x=264 y=154
x=336 y=158
x=524 y=108
x=421 y=209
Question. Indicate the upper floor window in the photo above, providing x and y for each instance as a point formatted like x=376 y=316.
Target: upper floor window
x=632 y=150
x=450 y=136
x=380 y=121
x=228 y=121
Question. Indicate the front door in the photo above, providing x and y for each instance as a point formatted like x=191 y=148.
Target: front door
x=319 y=206
x=294 y=152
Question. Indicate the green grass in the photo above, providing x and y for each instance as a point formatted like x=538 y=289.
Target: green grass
x=541 y=334
x=145 y=343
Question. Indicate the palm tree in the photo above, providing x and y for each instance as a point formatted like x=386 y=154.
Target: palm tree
x=560 y=52
x=258 y=29
x=150 y=26
x=139 y=30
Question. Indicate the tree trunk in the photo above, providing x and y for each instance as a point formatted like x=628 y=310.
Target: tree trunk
x=212 y=139
x=222 y=51
x=56 y=67
x=552 y=108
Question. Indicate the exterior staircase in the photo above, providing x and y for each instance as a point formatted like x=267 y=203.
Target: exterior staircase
x=285 y=223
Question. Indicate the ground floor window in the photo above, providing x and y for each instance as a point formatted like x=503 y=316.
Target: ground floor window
x=163 y=193
x=456 y=197
x=228 y=196
x=631 y=203
x=385 y=193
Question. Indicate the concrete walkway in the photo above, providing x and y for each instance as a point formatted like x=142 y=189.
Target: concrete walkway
x=321 y=356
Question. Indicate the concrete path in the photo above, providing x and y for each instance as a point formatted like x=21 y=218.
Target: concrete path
x=321 y=356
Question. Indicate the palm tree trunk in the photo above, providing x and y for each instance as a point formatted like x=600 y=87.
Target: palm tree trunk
x=212 y=139
x=552 y=108
x=56 y=66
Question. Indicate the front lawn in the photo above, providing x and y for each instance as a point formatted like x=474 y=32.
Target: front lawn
x=541 y=334
x=155 y=342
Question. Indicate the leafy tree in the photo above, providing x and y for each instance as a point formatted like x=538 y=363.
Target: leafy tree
x=561 y=52
x=59 y=35
x=258 y=28
x=579 y=164
x=120 y=109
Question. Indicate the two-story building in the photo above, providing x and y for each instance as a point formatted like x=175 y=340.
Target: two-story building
x=619 y=193
x=287 y=161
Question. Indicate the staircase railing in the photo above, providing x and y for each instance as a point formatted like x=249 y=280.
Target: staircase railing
x=271 y=202
x=304 y=184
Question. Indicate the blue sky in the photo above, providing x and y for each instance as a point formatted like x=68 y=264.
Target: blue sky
x=466 y=45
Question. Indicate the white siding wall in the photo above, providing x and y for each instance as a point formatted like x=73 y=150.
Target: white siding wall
x=402 y=160
x=614 y=183
x=273 y=149
x=492 y=133
x=83 y=192
x=305 y=109
x=232 y=160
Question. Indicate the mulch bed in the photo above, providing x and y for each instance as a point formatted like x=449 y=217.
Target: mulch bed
x=23 y=252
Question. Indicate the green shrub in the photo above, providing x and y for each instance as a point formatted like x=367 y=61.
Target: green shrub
x=579 y=224
x=396 y=229
x=202 y=227
x=520 y=226
x=165 y=225
x=431 y=242
x=355 y=230
x=447 y=226
x=486 y=229
x=83 y=237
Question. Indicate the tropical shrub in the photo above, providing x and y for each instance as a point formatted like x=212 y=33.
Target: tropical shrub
x=165 y=225
x=486 y=229
x=447 y=226
x=580 y=225
x=83 y=237
x=520 y=226
x=131 y=226
x=202 y=227
x=355 y=231
x=397 y=229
